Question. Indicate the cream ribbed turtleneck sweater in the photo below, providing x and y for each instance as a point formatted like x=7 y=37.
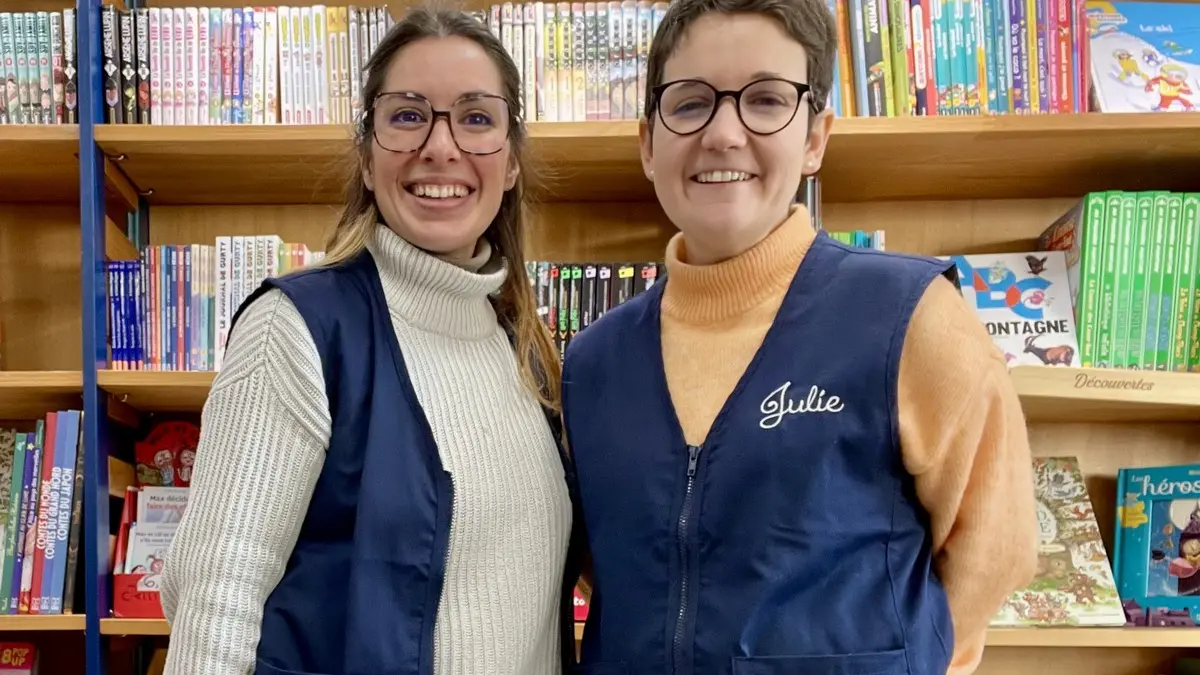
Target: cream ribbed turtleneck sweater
x=264 y=432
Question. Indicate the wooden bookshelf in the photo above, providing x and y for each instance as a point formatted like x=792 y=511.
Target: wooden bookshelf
x=1048 y=394
x=25 y=394
x=38 y=622
x=40 y=163
x=868 y=160
x=113 y=626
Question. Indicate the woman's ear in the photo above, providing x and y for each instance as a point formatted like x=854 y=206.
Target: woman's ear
x=644 y=143
x=514 y=171
x=368 y=175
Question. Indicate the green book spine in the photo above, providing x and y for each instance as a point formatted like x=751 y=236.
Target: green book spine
x=1123 y=281
x=1090 y=240
x=1143 y=224
x=1154 y=281
x=1170 y=273
x=1189 y=279
x=14 y=513
x=1108 y=279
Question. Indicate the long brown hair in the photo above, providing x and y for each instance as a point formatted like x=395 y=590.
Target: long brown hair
x=537 y=358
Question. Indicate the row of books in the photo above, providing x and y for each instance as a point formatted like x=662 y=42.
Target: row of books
x=1133 y=261
x=37 y=55
x=570 y=296
x=171 y=308
x=41 y=493
x=959 y=57
x=238 y=65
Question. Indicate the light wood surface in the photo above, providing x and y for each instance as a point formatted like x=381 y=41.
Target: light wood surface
x=868 y=159
x=39 y=161
x=30 y=394
x=35 y=622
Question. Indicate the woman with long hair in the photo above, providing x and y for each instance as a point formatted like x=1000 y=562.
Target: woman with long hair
x=379 y=485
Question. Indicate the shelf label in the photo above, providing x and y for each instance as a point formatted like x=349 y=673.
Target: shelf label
x=1088 y=381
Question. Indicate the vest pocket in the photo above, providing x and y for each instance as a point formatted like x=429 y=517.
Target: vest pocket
x=872 y=663
x=604 y=668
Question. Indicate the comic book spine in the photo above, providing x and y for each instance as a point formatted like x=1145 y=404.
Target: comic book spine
x=214 y=57
x=251 y=62
x=1003 y=67
x=1154 y=282
x=623 y=285
x=562 y=59
x=14 y=510
x=981 y=101
x=343 y=45
x=179 y=65
x=307 y=71
x=940 y=23
x=612 y=69
x=1094 y=227
x=320 y=66
x=542 y=291
x=56 y=68
x=1040 y=38
x=256 y=74
x=645 y=30
x=564 y=305
x=576 y=303
x=988 y=48
x=1018 y=56
x=548 y=85
x=154 y=63
x=1186 y=280
x=647 y=274
x=900 y=44
x=354 y=19
x=958 y=57
x=109 y=61
x=141 y=29
x=1122 y=280
x=629 y=46
x=604 y=46
x=1164 y=358
x=530 y=30
x=27 y=65
x=128 y=68
x=876 y=77
x=166 y=67
x=287 y=110
x=518 y=55
x=1062 y=48
x=969 y=91
x=269 y=110
x=1144 y=224
x=591 y=64
x=195 y=103
x=333 y=72
x=577 y=60
x=10 y=108
x=552 y=315
x=44 y=81
x=587 y=304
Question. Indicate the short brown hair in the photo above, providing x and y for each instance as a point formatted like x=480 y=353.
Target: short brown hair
x=806 y=21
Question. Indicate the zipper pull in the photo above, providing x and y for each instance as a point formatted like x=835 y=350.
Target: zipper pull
x=693 y=457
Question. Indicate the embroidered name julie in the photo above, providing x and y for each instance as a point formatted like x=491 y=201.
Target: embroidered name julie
x=779 y=404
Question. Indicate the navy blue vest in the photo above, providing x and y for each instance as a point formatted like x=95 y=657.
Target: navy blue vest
x=791 y=542
x=360 y=592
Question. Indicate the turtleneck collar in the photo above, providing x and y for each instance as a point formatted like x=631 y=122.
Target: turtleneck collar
x=705 y=294
x=435 y=294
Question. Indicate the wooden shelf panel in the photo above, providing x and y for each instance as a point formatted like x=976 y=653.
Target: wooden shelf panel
x=1051 y=394
x=158 y=391
x=40 y=163
x=135 y=627
x=868 y=159
x=32 y=622
x=1048 y=394
x=26 y=394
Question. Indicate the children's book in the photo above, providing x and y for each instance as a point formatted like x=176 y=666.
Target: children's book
x=1074 y=582
x=1156 y=545
x=1145 y=55
x=1024 y=301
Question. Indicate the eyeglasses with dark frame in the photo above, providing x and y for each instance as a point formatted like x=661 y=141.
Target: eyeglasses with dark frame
x=403 y=121
x=687 y=106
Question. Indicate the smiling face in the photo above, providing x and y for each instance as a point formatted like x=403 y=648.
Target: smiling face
x=438 y=197
x=726 y=187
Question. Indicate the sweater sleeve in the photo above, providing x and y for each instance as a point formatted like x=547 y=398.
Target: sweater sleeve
x=963 y=438
x=264 y=431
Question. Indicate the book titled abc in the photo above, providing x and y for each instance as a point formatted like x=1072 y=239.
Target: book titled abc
x=1024 y=302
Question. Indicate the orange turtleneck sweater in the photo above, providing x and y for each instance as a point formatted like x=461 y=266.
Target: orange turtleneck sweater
x=962 y=430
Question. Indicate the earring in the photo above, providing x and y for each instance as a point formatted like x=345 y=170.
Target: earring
x=651 y=174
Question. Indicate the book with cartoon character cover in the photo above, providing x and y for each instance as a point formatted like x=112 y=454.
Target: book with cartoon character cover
x=1074 y=584
x=1145 y=55
x=1024 y=301
x=1156 y=545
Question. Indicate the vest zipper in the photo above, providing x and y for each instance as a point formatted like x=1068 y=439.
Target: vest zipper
x=685 y=516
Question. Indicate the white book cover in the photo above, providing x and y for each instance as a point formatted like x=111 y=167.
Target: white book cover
x=179 y=57
x=274 y=251
x=270 y=85
x=156 y=72
x=216 y=48
x=258 y=75
x=249 y=269
x=260 y=261
x=249 y=58
x=1024 y=302
x=167 y=31
x=532 y=30
x=563 y=60
x=343 y=51
x=547 y=81
x=237 y=268
x=307 y=73
x=229 y=47
x=222 y=276
x=286 y=97
x=203 y=55
x=333 y=60
x=299 y=101
x=320 y=67
x=518 y=47
x=355 y=64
